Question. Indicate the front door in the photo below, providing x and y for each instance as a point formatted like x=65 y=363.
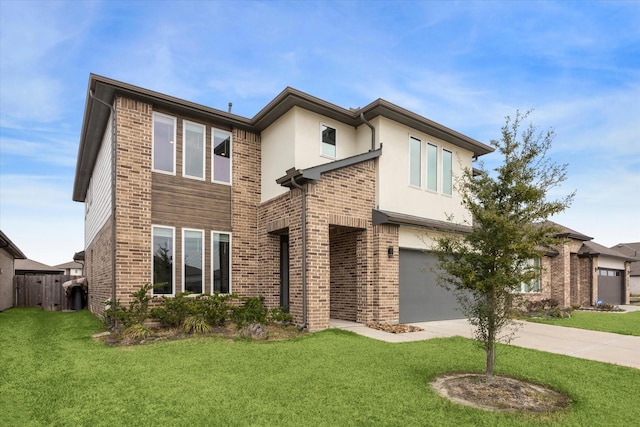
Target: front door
x=284 y=272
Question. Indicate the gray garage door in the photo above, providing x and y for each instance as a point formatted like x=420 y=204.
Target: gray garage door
x=611 y=286
x=421 y=298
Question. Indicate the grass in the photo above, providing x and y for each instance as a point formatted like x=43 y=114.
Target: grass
x=618 y=323
x=53 y=373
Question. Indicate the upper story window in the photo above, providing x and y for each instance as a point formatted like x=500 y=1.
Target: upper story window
x=221 y=156
x=163 y=271
x=432 y=167
x=447 y=172
x=164 y=143
x=328 y=135
x=415 y=162
x=193 y=151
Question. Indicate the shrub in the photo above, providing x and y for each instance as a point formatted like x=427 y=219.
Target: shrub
x=196 y=324
x=279 y=315
x=136 y=313
x=253 y=311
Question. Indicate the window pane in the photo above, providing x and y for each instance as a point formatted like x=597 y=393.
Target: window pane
x=447 y=172
x=163 y=143
x=415 y=158
x=221 y=156
x=193 y=150
x=193 y=261
x=432 y=167
x=162 y=260
x=328 y=141
x=220 y=264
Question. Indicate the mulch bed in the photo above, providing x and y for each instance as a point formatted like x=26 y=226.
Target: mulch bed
x=394 y=329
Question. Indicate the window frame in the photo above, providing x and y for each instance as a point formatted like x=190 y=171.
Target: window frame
x=153 y=142
x=447 y=178
x=413 y=138
x=184 y=255
x=173 y=263
x=185 y=123
x=213 y=156
x=322 y=143
x=213 y=251
x=428 y=180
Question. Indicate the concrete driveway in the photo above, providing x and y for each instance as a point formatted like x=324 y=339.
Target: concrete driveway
x=605 y=347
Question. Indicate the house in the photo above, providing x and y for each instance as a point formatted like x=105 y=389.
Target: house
x=632 y=250
x=314 y=207
x=580 y=272
x=29 y=267
x=9 y=253
x=71 y=268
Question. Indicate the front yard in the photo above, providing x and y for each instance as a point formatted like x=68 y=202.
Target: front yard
x=53 y=373
x=617 y=323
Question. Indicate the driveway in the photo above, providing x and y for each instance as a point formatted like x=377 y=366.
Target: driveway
x=605 y=347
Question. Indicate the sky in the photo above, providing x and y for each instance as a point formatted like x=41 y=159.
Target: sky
x=466 y=65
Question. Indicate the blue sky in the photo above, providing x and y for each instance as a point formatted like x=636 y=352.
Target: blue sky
x=464 y=64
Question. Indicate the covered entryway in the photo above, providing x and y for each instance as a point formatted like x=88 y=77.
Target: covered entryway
x=421 y=297
x=611 y=286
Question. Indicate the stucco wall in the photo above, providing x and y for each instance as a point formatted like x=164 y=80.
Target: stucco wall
x=6 y=280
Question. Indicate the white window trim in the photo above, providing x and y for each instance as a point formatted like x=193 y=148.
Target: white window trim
x=184 y=254
x=213 y=156
x=322 y=142
x=173 y=264
x=426 y=169
x=184 y=150
x=230 y=261
x=153 y=145
x=419 y=187
x=442 y=172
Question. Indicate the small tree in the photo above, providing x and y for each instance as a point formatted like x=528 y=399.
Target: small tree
x=509 y=209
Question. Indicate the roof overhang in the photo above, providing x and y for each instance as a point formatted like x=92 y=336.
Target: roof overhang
x=9 y=246
x=395 y=218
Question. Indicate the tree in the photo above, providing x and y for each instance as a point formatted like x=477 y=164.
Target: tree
x=510 y=227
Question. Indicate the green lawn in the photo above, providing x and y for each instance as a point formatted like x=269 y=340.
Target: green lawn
x=619 y=323
x=53 y=373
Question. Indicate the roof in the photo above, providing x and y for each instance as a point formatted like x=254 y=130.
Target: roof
x=632 y=250
x=569 y=233
x=9 y=246
x=70 y=264
x=593 y=248
x=31 y=266
x=103 y=90
x=387 y=217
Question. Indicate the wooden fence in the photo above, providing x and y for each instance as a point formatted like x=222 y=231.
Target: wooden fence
x=42 y=291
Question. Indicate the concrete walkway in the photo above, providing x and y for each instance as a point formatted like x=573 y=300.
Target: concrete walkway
x=605 y=347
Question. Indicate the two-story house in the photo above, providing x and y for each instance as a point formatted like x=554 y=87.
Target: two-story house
x=319 y=208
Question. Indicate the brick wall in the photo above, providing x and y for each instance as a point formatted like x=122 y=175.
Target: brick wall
x=386 y=274
x=344 y=274
x=98 y=269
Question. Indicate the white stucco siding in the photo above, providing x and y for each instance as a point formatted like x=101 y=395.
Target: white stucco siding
x=395 y=193
x=605 y=261
x=277 y=154
x=417 y=238
x=98 y=198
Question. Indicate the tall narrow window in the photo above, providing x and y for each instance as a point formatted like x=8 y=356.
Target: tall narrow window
x=193 y=260
x=415 y=161
x=193 y=150
x=221 y=156
x=163 y=273
x=164 y=143
x=447 y=172
x=221 y=262
x=328 y=141
x=432 y=167
x=534 y=285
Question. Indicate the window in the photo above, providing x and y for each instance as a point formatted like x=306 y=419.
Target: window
x=221 y=262
x=162 y=247
x=193 y=150
x=192 y=260
x=415 y=160
x=432 y=167
x=221 y=156
x=534 y=285
x=164 y=147
x=447 y=172
x=328 y=141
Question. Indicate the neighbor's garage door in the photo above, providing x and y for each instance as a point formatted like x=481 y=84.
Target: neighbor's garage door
x=611 y=286
x=421 y=298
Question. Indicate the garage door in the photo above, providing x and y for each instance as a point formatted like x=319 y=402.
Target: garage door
x=421 y=298
x=611 y=286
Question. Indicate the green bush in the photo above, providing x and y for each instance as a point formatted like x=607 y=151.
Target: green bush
x=253 y=311
x=117 y=315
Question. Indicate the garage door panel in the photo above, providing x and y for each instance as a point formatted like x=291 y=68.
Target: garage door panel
x=421 y=297
x=611 y=286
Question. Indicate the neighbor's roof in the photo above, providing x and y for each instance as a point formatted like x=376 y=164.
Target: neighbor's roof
x=631 y=250
x=9 y=246
x=96 y=116
x=31 y=266
x=70 y=264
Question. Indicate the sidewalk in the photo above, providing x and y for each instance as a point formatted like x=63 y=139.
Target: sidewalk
x=605 y=347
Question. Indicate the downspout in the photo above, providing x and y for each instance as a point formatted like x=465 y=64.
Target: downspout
x=373 y=131
x=304 y=250
x=114 y=151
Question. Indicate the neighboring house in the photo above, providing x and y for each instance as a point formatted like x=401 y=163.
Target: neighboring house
x=581 y=272
x=632 y=250
x=319 y=208
x=29 y=267
x=72 y=268
x=9 y=254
